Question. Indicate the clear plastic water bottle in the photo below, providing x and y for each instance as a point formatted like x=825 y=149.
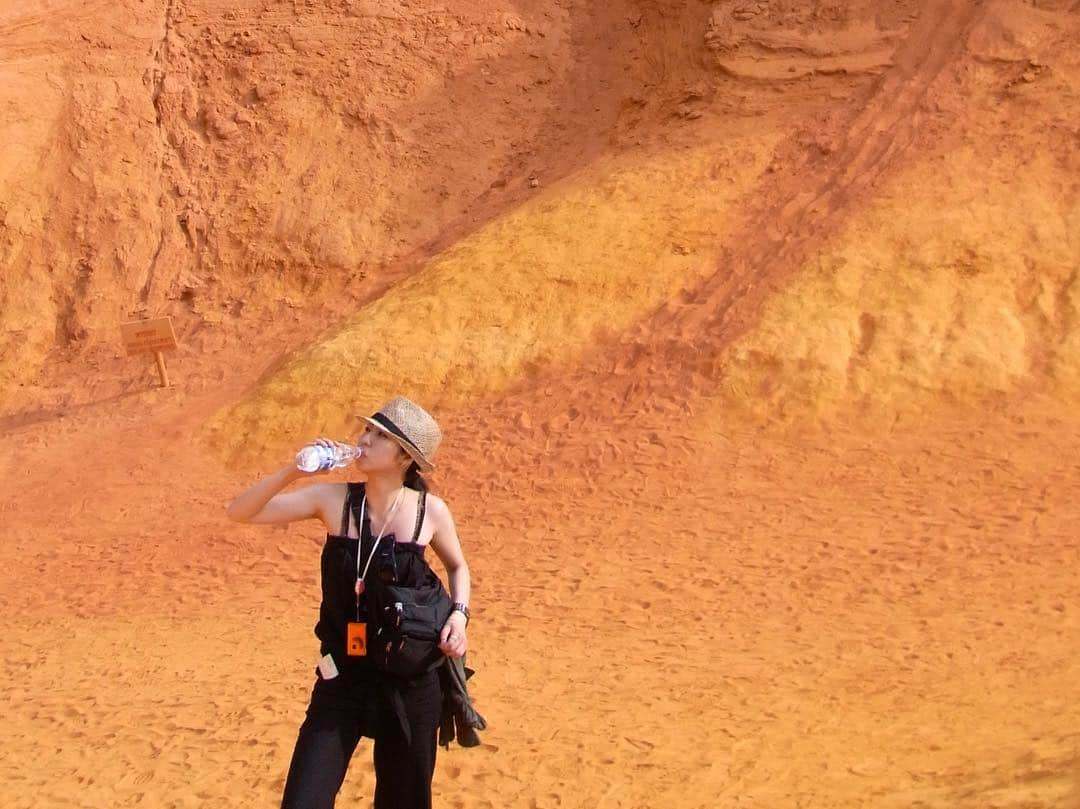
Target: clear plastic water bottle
x=317 y=458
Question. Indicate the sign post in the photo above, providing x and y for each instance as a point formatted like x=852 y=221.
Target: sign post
x=152 y=336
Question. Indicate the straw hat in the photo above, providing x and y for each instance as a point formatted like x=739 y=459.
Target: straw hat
x=411 y=426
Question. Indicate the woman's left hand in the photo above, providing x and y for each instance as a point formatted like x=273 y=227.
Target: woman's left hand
x=452 y=640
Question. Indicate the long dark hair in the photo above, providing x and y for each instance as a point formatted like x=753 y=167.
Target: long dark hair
x=413 y=478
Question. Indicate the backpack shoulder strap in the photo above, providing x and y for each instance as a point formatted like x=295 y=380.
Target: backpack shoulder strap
x=420 y=508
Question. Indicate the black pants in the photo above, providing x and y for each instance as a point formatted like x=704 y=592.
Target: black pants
x=340 y=713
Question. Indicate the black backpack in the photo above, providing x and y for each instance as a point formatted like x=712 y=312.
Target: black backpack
x=404 y=620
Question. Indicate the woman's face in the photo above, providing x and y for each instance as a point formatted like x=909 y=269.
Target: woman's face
x=380 y=452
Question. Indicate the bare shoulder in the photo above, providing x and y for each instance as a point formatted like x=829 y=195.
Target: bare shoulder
x=437 y=506
x=335 y=491
x=328 y=500
x=444 y=535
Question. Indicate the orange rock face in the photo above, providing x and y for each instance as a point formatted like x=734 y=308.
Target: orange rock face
x=753 y=329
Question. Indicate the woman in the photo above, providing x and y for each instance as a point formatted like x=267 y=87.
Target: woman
x=385 y=524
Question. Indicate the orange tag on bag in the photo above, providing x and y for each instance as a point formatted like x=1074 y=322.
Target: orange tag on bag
x=356 y=639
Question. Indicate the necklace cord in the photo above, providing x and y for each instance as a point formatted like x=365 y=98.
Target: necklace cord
x=360 y=530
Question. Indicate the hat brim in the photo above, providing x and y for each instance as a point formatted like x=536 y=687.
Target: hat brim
x=424 y=464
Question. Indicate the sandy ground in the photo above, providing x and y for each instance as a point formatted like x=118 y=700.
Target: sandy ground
x=828 y=619
x=753 y=328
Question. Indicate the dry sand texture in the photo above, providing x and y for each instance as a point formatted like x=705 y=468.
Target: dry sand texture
x=754 y=329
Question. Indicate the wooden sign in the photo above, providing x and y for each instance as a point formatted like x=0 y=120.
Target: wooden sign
x=150 y=337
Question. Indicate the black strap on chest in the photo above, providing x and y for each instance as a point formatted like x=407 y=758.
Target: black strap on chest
x=420 y=515
x=345 y=510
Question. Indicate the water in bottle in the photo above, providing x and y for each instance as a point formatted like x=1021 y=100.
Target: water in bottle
x=317 y=458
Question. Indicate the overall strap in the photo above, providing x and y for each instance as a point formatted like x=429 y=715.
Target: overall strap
x=355 y=498
x=421 y=505
x=345 y=511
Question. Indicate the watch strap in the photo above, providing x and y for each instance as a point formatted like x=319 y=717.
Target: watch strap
x=463 y=609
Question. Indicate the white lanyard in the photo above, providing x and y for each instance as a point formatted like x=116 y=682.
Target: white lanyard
x=360 y=530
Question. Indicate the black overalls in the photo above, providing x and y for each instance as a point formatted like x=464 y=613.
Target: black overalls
x=400 y=715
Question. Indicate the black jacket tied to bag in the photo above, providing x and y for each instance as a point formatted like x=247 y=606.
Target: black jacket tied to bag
x=459 y=719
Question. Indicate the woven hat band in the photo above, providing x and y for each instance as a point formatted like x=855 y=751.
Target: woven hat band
x=390 y=427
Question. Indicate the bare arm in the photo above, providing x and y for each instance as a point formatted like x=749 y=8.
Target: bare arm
x=264 y=504
x=447 y=546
